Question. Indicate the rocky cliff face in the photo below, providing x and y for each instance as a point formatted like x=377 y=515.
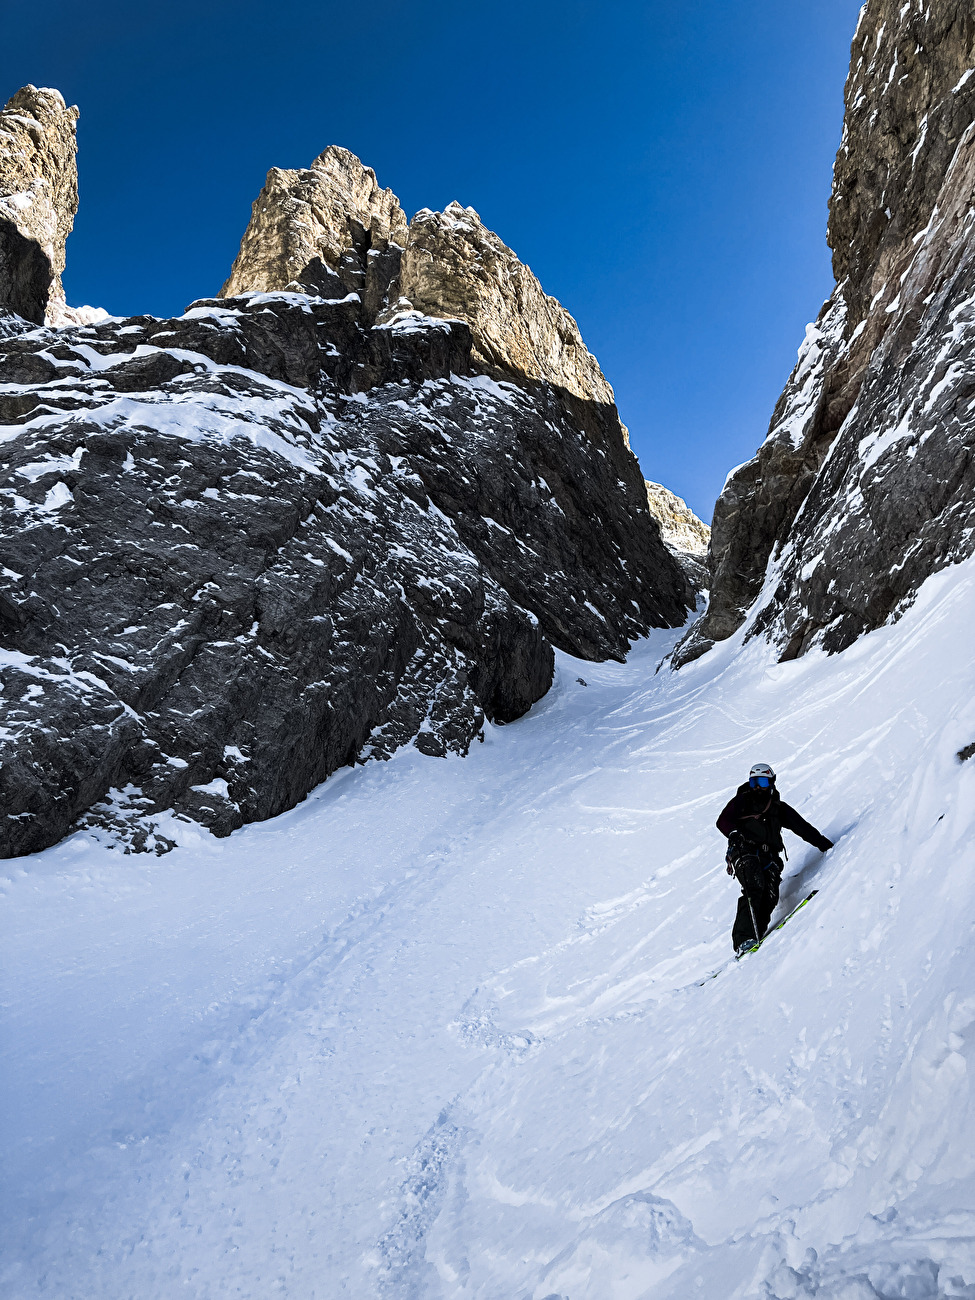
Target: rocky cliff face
x=865 y=484
x=684 y=535
x=277 y=535
x=38 y=201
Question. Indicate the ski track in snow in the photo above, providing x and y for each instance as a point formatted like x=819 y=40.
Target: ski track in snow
x=447 y=1028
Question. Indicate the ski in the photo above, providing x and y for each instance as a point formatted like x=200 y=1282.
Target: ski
x=713 y=975
x=788 y=917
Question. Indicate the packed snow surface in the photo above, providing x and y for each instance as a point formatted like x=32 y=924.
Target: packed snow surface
x=449 y=1028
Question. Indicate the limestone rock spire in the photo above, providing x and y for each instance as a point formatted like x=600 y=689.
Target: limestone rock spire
x=332 y=230
x=328 y=229
x=38 y=201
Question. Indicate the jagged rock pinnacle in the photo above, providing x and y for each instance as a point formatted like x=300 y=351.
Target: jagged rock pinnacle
x=332 y=230
x=38 y=201
x=329 y=229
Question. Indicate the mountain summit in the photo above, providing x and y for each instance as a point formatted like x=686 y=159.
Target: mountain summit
x=332 y=230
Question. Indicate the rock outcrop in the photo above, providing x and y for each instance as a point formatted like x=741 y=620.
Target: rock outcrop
x=684 y=535
x=38 y=202
x=329 y=230
x=865 y=484
x=332 y=230
x=679 y=525
x=301 y=525
x=261 y=541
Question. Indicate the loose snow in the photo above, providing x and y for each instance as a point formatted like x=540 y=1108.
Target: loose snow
x=449 y=1028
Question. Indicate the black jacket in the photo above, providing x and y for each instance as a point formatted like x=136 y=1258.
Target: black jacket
x=760 y=815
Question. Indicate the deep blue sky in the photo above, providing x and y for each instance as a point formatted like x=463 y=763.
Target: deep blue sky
x=662 y=167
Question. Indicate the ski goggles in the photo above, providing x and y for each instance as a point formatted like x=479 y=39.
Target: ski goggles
x=760 y=782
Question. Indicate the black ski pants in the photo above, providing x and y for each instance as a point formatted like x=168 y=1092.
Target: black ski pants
x=760 y=875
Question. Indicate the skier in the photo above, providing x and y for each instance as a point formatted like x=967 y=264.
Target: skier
x=753 y=822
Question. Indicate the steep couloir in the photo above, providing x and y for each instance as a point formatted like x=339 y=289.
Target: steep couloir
x=865 y=484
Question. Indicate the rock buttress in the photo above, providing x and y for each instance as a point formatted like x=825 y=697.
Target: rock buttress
x=864 y=485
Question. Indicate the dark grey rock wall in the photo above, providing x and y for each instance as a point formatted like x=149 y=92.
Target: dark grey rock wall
x=243 y=548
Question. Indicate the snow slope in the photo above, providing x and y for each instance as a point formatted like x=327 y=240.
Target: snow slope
x=447 y=1028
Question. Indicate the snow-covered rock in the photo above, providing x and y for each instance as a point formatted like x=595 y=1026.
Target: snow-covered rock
x=250 y=545
x=298 y=526
x=866 y=482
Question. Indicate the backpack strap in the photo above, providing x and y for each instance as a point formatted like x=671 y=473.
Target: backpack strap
x=749 y=817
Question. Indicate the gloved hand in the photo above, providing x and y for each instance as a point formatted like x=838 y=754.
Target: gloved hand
x=730 y=869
